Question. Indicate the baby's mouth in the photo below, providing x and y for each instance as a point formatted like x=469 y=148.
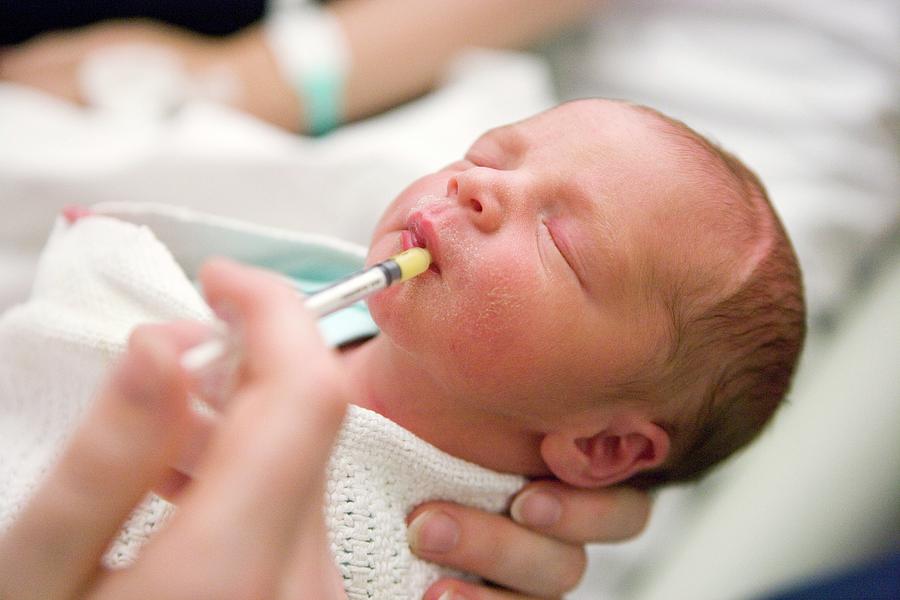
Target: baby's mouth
x=410 y=238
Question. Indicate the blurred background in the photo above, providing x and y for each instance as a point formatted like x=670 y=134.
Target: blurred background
x=206 y=104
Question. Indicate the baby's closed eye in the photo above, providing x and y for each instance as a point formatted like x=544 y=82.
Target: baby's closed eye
x=548 y=229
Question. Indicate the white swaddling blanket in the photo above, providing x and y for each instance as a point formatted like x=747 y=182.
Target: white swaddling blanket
x=101 y=277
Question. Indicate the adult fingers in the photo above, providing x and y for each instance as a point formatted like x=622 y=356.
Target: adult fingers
x=580 y=516
x=264 y=468
x=68 y=48
x=59 y=80
x=119 y=450
x=198 y=425
x=495 y=548
x=286 y=371
x=49 y=63
x=311 y=571
x=198 y=431
x=47 y=51
x=267 y=316
x=289 y=383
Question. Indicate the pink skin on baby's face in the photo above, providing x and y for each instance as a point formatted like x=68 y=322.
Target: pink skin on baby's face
x=541 y=242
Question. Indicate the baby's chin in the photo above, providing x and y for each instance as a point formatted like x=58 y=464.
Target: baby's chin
x=402 y=313
x=380 y=307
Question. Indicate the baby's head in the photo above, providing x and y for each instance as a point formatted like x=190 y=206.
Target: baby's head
x=606 y=281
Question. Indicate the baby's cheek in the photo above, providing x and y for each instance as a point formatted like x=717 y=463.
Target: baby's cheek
x=495 y=327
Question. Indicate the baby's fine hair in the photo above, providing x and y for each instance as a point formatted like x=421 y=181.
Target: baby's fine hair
x=733 y=359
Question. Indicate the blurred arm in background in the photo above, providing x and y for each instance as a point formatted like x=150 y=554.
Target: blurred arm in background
x=398 y=49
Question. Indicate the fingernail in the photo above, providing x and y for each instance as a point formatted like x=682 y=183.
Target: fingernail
x=433 y=593
x=536 y=508
x=226 y=312
x=433 y=531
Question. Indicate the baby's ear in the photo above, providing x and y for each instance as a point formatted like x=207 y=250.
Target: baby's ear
x=615 y=450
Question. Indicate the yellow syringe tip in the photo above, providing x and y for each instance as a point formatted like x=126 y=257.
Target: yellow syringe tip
x=412 y=262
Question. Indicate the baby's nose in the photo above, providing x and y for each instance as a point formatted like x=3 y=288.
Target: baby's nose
x=478 y=195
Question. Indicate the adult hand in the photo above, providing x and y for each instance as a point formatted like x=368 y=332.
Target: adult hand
x=538 y=552
x=51 y=62
x=252 y=524
x=238 y=70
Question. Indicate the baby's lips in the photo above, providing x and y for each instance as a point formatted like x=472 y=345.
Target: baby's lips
x=406 y=239
x=73 y=212
x=410 y=239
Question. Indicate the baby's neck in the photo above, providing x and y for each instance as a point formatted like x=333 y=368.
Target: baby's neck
x=388 y=380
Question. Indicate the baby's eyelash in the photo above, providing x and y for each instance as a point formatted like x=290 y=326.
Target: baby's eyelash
x=560 y=251
x=553 y=239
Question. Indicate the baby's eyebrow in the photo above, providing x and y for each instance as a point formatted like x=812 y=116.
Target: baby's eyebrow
x=506 y=137
x=509 y=137
x=499 y=145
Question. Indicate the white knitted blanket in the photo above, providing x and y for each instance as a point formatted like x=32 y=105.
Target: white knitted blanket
x=101 y=277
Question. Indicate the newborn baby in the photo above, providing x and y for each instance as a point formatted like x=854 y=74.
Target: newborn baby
x=612 y=298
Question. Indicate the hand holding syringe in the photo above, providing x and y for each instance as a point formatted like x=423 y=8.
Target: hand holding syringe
x=341 y=294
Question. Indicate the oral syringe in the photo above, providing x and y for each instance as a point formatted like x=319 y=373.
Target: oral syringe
x=343 y=293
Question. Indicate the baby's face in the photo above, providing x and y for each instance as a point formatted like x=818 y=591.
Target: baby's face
x=542 y=244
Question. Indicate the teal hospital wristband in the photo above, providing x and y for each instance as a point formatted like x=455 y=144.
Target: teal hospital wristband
x=311 y=52
x=322 y=95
